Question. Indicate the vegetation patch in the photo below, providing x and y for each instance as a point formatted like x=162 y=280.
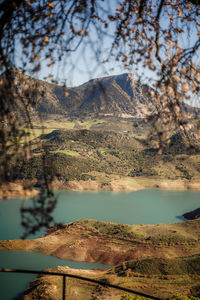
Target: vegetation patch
x=160 y=266
x=66 y=151
x=119 y=230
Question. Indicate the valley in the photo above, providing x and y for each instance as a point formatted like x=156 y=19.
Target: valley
x=106 y=134
x=101 y=136
x=95 y=158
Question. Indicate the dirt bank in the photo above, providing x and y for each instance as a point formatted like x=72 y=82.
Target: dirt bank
x=111 y=244
x=17 y=189
x=128 y=184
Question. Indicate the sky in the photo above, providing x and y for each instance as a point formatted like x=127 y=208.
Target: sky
x=86 y=62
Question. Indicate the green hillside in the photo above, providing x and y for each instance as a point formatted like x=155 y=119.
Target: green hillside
x=85 y=154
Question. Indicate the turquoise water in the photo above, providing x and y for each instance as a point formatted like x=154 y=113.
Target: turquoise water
x=12 y=284
x=141 y=207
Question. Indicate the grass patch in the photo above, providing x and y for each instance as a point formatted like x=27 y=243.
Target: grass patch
x=102 y=150
x=88 y=124
x=54 y=124
x=32 y=134
x=68 y=152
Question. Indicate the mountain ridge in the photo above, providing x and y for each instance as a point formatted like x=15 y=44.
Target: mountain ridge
x=120 y=96
x=111 y=95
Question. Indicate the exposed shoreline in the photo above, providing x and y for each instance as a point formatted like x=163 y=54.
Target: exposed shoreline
x=112 y=243
x=126 y=184
x=17 y=189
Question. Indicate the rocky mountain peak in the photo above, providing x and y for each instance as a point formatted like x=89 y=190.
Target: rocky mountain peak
x=117 y=95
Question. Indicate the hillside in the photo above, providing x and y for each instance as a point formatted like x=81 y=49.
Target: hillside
x=161 y=260
x=112 y=243
x=96 y=137
x=103 y=156
x=117 y=96
x=170 y=279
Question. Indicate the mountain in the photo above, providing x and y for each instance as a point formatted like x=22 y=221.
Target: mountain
x=118 y=96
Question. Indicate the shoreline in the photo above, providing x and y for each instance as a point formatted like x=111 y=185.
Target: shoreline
x=123 y=184
x=128 y=185
x=112 y=243
x=16 y=190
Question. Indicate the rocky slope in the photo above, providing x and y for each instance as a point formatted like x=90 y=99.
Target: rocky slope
x=17 y=189
x=192 y=214
x=109 y=96
x=119 y=96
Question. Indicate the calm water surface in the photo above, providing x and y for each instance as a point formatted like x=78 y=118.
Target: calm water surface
x=12 y=285
x=141 y=207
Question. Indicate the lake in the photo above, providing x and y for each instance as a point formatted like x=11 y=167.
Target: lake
x=141 y=207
